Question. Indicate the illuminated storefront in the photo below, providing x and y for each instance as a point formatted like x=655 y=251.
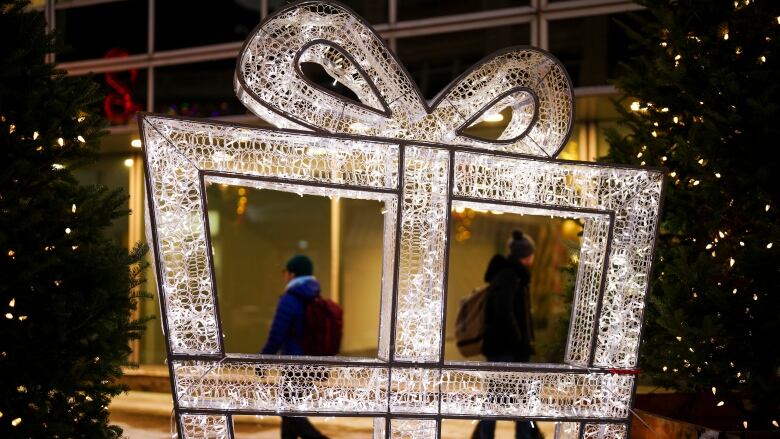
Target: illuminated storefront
x=155 y=55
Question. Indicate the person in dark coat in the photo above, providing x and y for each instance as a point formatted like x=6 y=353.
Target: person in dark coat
x=287 y=334
x=509 y=334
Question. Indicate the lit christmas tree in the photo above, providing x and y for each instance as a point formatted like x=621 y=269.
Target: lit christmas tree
x=706 y=105
x=65 y=290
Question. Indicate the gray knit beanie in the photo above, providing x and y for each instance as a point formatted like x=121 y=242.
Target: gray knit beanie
x=520 y=245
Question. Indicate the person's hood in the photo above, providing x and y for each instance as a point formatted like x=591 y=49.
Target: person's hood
x=499 y=263
x=305 y=287
x=496 y=264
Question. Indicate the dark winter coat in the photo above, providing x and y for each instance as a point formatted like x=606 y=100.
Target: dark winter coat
x=287 y=328
x=509 y=328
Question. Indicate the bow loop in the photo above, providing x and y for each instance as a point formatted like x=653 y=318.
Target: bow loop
x=270 y=82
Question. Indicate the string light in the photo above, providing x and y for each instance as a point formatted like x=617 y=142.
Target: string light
x=16 y=422
x=81 y=139
x=61 y=141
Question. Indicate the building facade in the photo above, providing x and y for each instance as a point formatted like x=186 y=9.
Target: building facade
x=178 y=58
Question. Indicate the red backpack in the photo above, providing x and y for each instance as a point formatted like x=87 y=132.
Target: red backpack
x=322 y=327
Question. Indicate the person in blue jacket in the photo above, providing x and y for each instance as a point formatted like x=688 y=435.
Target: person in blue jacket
x=287 y=333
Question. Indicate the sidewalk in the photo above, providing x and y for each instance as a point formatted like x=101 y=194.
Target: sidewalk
x=147 y=415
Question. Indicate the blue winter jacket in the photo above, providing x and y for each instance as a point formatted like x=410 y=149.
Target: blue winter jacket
x=287 y=327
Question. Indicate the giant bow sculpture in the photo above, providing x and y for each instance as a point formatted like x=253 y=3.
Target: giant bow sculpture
x=419 y=160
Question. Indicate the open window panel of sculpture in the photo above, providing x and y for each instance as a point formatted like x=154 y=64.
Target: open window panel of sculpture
x=464 y=428
x=263 y=426
x=568 y=258
x=255 y=227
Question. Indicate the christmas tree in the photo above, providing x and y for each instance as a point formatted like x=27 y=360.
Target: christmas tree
x=705 y=104
x=65 y=290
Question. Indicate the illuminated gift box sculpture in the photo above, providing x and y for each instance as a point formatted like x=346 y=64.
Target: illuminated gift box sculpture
x=418 y=160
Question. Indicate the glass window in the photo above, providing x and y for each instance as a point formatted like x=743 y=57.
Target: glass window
x=476 y=235
x=109 y=171
x=253 y=234
x=94 y=31
x=591 y=48
x=414 y=9
x=434 y=61
x=202 y=22
x=198 y=89
x=373 y=11
x=124 y=94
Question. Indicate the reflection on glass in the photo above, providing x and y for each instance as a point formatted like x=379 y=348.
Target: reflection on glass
x=124 y=93
x=254 y=232
x=201 y=22
x=591 y=48
x=434 y=61
x=110 y=172
x=373 y=11
x=414 y=9
x=477 y=236
x=197 y=90
x=92 y=31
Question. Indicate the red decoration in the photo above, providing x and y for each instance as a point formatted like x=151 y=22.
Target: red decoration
x=118 y=104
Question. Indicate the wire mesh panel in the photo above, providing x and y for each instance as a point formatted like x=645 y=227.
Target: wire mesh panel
x=393 y=147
